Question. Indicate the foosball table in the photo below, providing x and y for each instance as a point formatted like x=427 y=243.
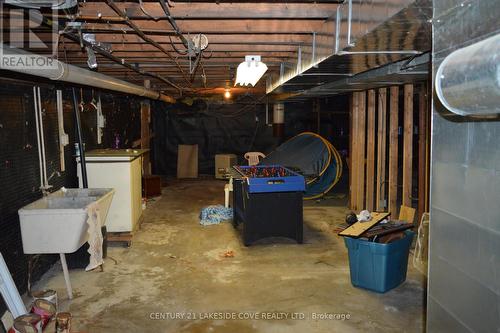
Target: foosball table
x=268 y=201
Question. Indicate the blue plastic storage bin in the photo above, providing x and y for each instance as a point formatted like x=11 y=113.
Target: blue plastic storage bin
x=378 y=267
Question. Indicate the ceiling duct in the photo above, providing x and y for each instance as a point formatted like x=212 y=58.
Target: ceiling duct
x=362 y=35
x=33 y=64
x=54 y=4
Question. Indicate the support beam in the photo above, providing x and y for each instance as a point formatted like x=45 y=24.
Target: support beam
x=393 y=151
x=381 y=150
x=423 y=144
x=370 y=152
x=145 y=137
x=408 y=145
x=361 y=143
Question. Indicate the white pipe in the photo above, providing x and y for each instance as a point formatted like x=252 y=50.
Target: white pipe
x=9 y=291
x=66 y=275
x=35 y=102
x=42 y=137
x=54 y=69
x=63 y=137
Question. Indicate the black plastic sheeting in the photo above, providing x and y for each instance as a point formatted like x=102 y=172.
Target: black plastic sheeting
x=216 y=129
x=314 y=157
x=19 y=168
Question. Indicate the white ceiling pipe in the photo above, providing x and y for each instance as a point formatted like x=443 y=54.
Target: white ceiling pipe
x=20 y=61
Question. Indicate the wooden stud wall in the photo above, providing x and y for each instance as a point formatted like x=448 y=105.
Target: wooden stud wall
x=371 y=161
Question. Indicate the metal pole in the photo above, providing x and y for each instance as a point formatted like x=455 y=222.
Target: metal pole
x=80 y=140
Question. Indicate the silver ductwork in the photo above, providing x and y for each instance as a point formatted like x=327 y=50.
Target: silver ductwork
x=20 y=61
x=468 y=80
x=54 y=4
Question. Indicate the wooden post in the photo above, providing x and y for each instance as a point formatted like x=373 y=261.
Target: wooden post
x=380 y=199
x=422 y=151
x=370 y=152
x=353 y=152
x=145 y=136
x=408 y=145
x=361 y=144
x=393 y=151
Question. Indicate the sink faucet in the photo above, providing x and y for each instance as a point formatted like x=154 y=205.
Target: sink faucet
x=45 y=188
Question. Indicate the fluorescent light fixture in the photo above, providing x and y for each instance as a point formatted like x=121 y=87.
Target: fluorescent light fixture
x=250 y=71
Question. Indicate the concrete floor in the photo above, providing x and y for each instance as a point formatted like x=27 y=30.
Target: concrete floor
x=175 y=267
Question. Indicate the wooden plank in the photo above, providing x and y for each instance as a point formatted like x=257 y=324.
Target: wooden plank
x=361 y=149
x=393 y=150
x=422 y=150
x=380 y=198
x=353 y=151
x=407 y=214
x=356 y=229
x=370 y=152
x=125 y=237
x=407 y=145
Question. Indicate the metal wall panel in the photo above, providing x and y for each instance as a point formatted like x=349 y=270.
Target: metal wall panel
x=464 y=255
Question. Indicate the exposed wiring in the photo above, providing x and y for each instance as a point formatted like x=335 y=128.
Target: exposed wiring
x=175 y=47
x=141 y=4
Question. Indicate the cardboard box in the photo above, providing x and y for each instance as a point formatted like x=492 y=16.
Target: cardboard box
x=223 y=163
x=187 y=161
x=151 y=186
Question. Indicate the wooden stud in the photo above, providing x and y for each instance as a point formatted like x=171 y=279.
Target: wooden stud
x=393 y=150
x=370 y=152
x=380 y=197
x=361 y=147
x=353 y=154
x=407 y=145
x=422 y=151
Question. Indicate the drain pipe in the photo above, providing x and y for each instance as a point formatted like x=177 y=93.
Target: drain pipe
x=53 y=69
x=80 y=140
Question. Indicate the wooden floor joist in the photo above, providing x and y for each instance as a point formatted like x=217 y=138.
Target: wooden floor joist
x=408 y=145
x=393 y=150
x=370 y=152
x=380 y=198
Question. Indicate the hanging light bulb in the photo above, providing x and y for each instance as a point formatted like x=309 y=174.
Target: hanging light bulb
x=227 y=94
x=250 y=71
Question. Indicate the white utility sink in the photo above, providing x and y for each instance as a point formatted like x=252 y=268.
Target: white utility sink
x=57 y=223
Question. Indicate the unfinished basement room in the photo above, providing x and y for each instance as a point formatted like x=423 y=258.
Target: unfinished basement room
x=281 y=166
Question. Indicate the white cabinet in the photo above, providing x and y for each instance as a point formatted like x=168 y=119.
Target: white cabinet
x=120 y=169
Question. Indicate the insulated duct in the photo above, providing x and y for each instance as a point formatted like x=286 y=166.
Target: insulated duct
x=468 y=80
x=24 y=62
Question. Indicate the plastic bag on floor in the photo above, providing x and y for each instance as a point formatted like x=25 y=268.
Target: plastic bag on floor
x=215 y=214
